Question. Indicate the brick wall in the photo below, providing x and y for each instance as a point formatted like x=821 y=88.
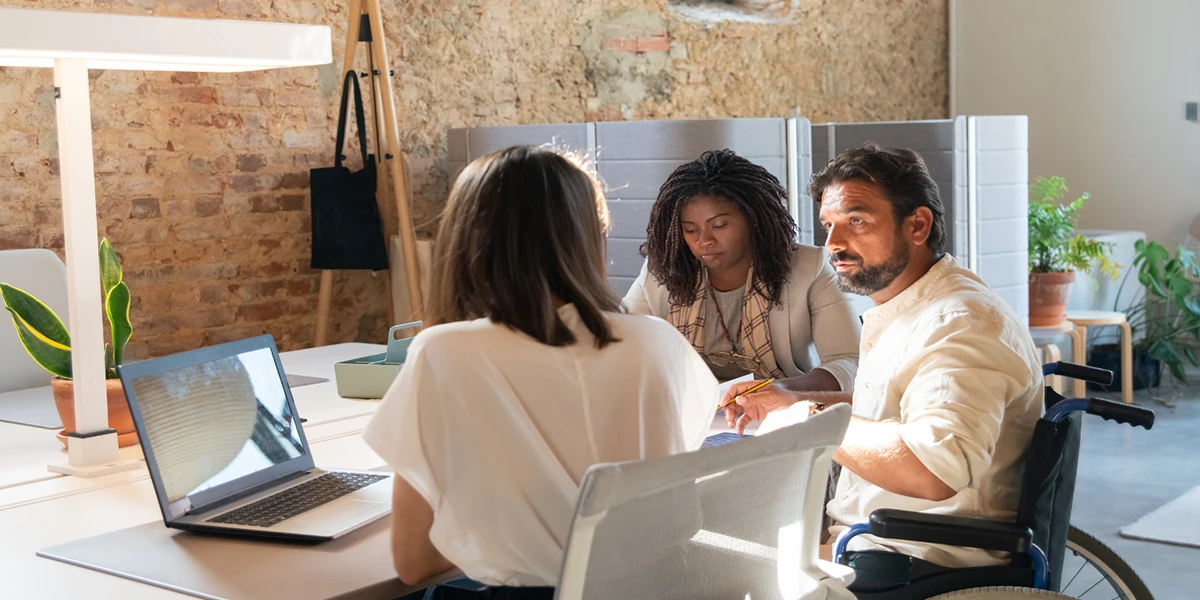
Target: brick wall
x=202 y=178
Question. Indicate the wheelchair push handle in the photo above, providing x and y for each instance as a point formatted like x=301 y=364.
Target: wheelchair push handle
x=1080 y=372
x=1121 y=413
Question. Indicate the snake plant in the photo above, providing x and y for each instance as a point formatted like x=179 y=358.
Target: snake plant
x=46 y=338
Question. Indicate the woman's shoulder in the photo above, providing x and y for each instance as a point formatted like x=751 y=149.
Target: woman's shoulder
x=458 y=336
x=472 y=336
x=647 y=294
x=808 y=263
x=650 y=337
x=806 y=257
x=641 y=326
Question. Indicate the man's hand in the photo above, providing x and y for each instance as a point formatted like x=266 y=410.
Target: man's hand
x=755 y=407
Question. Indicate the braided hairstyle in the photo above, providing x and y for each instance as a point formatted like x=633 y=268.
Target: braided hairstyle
x=755 y=191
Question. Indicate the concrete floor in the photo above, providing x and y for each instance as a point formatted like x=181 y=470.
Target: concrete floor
x=1126 y=473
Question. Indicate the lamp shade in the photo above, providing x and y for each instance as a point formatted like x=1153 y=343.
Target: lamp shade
x=35 y=38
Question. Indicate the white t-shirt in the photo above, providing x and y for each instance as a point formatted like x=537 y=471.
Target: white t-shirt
x=951 y=362
x=495 y=430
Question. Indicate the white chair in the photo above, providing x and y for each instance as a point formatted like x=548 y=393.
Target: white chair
x=739 y=520
x=41 y=273
x=25 y=396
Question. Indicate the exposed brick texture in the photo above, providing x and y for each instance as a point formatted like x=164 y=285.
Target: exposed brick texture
x=202 y=178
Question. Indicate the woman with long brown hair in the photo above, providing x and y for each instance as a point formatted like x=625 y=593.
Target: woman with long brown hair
x=529 y=374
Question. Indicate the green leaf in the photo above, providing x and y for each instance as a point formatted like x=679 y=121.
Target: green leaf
x=1193 y=305
x=1156 y=253
x=1188 y=259
x=117 y=309
x=40 y=319
x=1190 y=353
x=41 y=332
x=1151 y=283
x=1177 y=372
x=50 y=357
x=1180 y=286
x=1162 y=350
x=110 y=267
x=110 y=370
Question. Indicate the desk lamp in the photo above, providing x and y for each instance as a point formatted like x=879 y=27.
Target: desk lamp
x=71 y=43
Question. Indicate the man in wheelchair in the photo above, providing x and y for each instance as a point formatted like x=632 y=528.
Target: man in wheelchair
x=949 y=385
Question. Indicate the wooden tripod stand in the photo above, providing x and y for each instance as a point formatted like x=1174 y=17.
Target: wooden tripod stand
x=367 y=14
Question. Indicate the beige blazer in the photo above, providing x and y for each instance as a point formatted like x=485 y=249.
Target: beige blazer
x=814 y=328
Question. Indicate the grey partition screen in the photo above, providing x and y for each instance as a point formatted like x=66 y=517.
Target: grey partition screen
x=979 y=163
x=465 y=145
x=938 y=142
x=634 y=158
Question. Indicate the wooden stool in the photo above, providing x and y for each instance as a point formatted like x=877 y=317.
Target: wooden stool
x=1051 y=352
x=1082 y=319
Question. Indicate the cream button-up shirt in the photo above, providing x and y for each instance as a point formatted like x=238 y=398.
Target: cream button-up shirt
x=949 y=361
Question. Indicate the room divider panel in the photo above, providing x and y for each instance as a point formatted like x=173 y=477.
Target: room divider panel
x=979 y=163
x=633 y=158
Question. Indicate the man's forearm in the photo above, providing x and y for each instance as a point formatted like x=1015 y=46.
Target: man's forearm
x=817 y=385
x=875 y=451
x=814 y=382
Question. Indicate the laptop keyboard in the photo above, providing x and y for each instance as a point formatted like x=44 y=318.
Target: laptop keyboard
x=299 y=499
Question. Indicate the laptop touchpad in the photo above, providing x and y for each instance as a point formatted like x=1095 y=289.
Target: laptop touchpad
x=336 y=517
x=346 y=510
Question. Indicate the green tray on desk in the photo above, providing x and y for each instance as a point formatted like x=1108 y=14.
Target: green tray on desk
x=371 y=376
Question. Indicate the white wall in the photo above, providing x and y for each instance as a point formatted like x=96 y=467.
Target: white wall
x=1104 y=83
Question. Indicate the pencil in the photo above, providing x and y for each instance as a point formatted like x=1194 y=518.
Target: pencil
x=760 y=386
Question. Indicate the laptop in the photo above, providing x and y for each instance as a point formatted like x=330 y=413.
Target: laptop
x=227 y=453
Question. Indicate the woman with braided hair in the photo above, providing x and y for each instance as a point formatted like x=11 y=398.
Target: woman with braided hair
x=723 y=267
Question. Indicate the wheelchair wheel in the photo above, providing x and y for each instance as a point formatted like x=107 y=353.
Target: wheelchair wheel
x=1091 y=570
x=1001 y=593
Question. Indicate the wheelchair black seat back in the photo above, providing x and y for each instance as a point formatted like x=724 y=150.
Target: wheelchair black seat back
x=1037 y=538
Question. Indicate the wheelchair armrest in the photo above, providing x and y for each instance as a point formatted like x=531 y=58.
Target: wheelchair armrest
x=950 y=530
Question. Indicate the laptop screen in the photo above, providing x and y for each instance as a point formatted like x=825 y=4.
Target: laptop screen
x=207 y=423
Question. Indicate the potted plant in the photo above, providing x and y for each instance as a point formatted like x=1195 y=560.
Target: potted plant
x=1165 y=323
x=46 y=339
x=1055 y=254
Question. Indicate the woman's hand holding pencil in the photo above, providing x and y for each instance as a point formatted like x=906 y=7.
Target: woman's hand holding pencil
x=755 y=386
x=751 y=401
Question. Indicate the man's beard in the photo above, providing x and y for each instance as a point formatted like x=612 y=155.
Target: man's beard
x=869 y=280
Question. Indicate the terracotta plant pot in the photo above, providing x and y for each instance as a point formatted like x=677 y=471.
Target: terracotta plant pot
x=1048 y=294
x=119 y=417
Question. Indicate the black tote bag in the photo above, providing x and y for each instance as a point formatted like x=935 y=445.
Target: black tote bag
x=346 y=229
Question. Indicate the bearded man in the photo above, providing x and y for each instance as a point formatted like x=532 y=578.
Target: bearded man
x=949 y=382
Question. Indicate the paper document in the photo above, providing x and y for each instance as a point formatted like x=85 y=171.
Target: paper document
x=778 y=419
x=719 y=426
x=295 y=381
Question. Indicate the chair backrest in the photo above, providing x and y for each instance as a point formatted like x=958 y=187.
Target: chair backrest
x=41 y=273
x=730 y=521
x=1048 y=488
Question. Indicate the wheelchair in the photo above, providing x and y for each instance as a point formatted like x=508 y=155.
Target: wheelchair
x=1050 y=559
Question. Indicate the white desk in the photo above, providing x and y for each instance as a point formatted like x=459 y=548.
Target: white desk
x=60 y=515
x=54 y=510
x=47 y=509
x=25 y=451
